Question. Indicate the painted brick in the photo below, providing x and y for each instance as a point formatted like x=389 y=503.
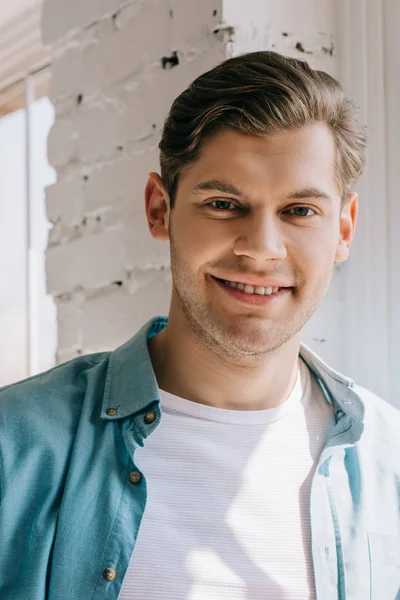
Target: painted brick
x=282 y=15
x=129 y=115
x=285 y=27
x=111 y=96
x=64 y=200
x=191 y=21
x=62 y=143
x=60 y=17
x=69 y=315
x=142 y=41
x=121 y=314
x=94 y=261
x=120 y=183
x=67 y=74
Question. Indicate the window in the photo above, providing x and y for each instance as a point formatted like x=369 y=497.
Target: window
x=27 y=313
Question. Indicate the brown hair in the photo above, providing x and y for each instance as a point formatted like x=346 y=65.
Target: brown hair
x=260 y=93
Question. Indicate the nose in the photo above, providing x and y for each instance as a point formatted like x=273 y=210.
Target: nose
x=262 y=240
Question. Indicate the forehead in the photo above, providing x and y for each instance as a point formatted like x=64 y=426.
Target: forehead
x=300 y=158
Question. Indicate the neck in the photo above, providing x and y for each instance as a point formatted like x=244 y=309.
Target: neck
x=186 y=367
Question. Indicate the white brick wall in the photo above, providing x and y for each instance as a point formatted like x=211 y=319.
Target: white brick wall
x=111 y=95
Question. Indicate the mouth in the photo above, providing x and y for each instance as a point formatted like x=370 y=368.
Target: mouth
x=252 y=289
x=255 y=295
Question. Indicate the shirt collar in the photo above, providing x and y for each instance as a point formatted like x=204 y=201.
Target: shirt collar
x=131 y=386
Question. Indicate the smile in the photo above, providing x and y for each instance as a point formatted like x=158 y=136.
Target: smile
x=254 y=295
x=251 y=289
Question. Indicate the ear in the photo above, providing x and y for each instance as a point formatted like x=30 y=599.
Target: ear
x=348 y=220
x=157 y=207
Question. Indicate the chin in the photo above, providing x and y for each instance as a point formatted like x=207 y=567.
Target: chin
x=248 y=338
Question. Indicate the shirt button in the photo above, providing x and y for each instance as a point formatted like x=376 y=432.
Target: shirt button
x=150 y=418
x=135 y=477
x=112 y=412
x=110 y=574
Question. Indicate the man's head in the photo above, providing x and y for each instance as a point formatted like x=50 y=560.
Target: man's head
x=258 y=157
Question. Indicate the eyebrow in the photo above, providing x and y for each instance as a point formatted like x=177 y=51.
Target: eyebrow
x=219 y=186
x=227 y=188
x=312 y=192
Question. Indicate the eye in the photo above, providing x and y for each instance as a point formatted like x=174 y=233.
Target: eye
x=302 y=209
x=223 y=205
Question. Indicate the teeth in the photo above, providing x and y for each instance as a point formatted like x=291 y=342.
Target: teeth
x=251 y=289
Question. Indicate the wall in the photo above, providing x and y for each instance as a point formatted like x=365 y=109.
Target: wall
x=114 y=78
x=117 y=68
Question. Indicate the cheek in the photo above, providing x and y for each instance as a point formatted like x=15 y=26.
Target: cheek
x=314 y=253
x=198 y=241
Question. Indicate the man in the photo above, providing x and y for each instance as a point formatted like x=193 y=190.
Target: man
x=214 y=456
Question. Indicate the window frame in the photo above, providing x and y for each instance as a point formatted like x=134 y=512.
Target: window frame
x=25 y=76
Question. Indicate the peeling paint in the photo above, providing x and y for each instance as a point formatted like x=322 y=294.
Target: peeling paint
x=329 y=50
x=224 y=32
x=170 y=61
x=300 y=48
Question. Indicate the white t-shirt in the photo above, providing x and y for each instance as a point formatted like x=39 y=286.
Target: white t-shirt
x=227 y=514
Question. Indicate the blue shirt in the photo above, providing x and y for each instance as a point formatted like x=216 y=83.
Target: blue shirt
x=72 y=498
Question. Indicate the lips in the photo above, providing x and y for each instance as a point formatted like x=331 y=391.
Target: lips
x=236 y=282
x=261 y=297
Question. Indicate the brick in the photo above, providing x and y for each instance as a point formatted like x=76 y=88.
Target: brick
x=94 y=261
x=130 y=115
x=107 y=129
x=120 y=183
x=309 y=25
x=64 y=200
x=191 y=20
x=60 y=17
x=282 y=16
x=140 y=42
x=61 y=143
x=121 y=314
x=67 y=74
x=109 y=52
x=100 y=132
x=69 y=315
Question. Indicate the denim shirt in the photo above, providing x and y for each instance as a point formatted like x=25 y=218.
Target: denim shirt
x=72 y=498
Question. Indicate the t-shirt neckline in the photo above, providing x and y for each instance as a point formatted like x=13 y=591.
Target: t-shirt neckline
x=176 y=405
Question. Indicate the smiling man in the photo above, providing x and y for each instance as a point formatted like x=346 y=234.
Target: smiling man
x=262 y=212
x=214 y=456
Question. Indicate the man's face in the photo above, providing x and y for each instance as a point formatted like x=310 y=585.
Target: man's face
x=278 y=220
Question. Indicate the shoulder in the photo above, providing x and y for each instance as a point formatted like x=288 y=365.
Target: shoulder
x=53 y=393
x=375 y=405
x=381 y=420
